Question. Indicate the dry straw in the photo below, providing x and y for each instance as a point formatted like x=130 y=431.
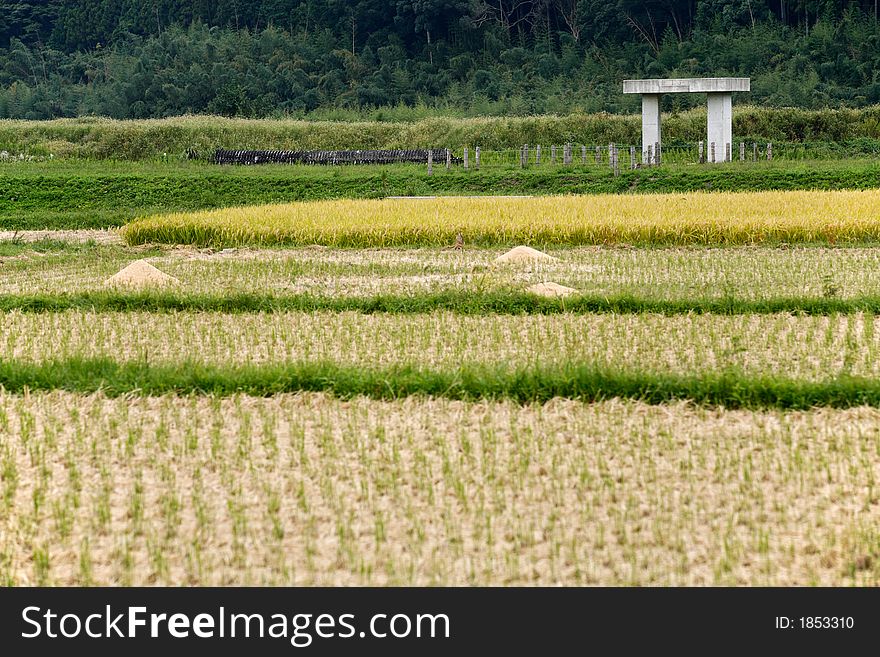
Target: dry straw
x=140 y=274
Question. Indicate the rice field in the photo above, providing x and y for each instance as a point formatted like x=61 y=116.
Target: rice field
x=310 y=490
x=703 y=410
x=808 y=348
x=666 y=274
x=716 y=218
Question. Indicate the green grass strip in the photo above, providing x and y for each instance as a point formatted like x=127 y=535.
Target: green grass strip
x=460 y=301
x=90 y=194
x=731 y=389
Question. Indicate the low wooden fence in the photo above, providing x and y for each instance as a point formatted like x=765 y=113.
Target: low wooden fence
x=414 y=156
x=617 y=157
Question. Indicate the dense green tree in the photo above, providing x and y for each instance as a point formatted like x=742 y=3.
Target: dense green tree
x=128 y=58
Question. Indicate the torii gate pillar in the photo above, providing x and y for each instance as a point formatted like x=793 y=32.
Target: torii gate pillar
x=650 y=124
x=719 y=116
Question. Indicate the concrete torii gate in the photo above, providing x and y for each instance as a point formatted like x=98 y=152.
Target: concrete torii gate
x=719 y=121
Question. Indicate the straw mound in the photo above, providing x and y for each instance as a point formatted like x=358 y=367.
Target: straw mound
x=550 y=289
x=141 y=273
x=523 y=254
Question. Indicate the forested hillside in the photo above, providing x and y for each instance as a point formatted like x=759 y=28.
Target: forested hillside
x=407 y=59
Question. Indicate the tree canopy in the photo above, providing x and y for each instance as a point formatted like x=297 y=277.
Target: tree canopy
x=136 y=59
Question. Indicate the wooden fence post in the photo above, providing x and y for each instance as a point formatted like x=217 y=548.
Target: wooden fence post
x=477 y=158
x=538 y=154
x=742 y=151
x=650 y=155
x=754 y=151
x=657 y=153
x=583 y=154
x=552 y=155
x=769 y=151
x=448 y=159
x=466 y=158
x=430 y=161
x=712 y=152
x=701 y=153
x=598 y=155
x=727 y=152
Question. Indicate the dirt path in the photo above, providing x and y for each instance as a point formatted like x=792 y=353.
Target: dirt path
x=99 y=236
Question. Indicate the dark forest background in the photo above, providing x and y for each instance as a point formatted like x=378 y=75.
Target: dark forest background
x=408 y=59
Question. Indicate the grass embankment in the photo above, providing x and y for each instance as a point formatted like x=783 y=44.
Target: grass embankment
x=460 y=302
x=523 y=385
x=665 y=219
x=134 y=140
x=101 y=194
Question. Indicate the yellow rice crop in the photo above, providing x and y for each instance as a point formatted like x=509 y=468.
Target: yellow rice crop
x=694 y=218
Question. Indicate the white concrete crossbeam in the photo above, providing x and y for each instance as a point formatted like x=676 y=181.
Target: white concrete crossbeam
x=686 y=85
